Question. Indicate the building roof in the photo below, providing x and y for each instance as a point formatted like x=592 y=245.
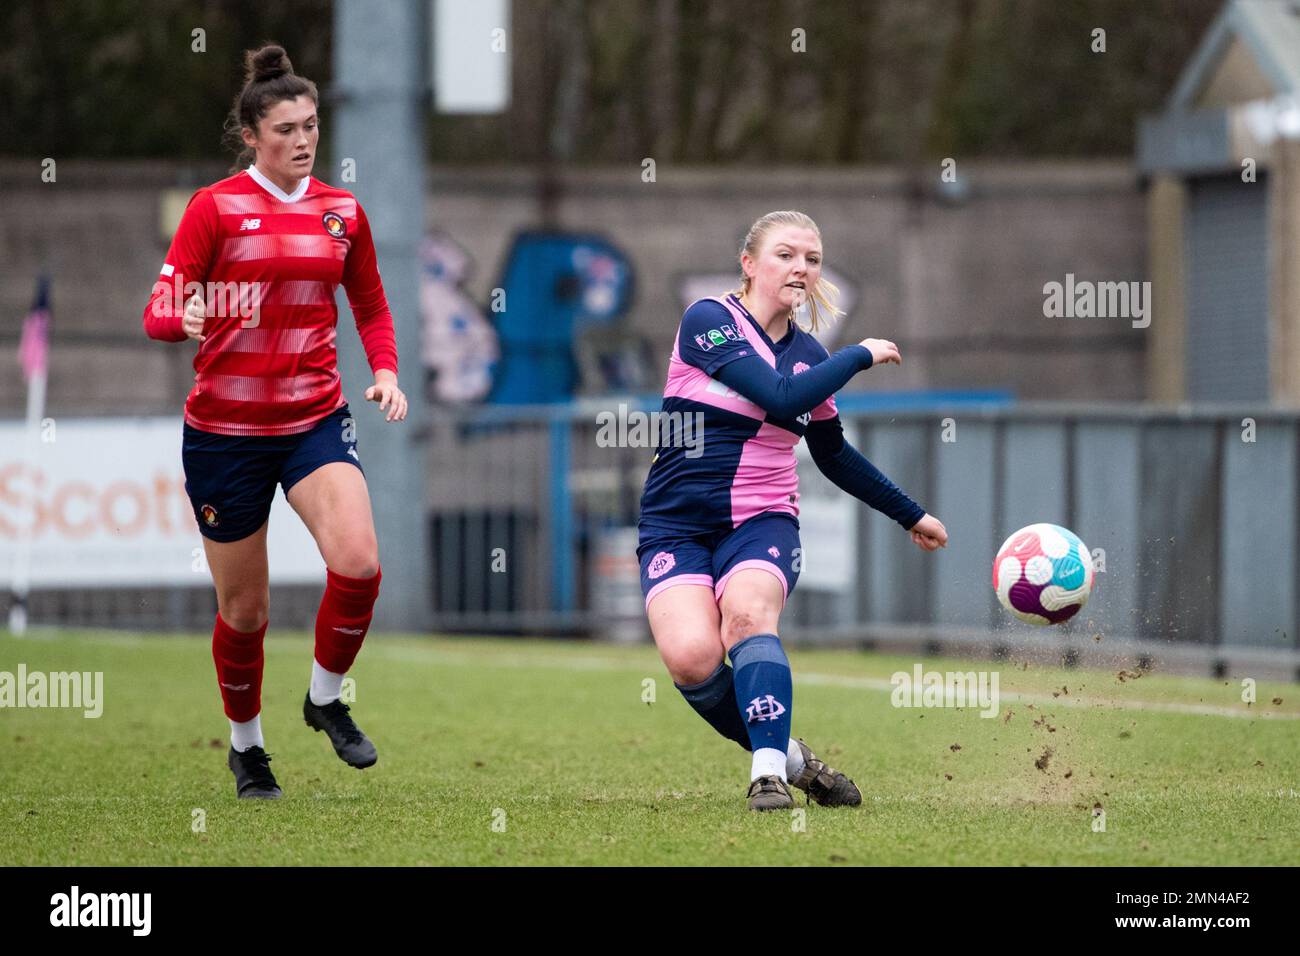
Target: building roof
x=1270 y=29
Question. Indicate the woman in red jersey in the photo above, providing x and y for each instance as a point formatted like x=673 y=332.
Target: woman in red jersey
x=258 y=256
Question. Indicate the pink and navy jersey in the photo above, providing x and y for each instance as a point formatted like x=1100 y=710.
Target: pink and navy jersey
x=746 y=464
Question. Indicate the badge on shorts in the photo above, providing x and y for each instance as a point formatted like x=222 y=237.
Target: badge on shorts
x=209 y=514
x=334 y=224
x=661 y=564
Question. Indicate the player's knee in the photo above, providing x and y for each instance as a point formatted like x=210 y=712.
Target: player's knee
x=247 y=611
x=365 y=568
x=693 y=664
x=742 y=622
x=357 y=561
x=736 y=626
x=694 y=670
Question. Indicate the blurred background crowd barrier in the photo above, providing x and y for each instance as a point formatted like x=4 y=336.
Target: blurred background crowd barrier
x=531 y=526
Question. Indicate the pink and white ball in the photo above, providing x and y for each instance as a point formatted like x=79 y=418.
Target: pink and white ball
x=1043 y=574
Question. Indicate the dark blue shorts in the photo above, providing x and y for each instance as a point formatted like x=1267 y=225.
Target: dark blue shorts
x=769 y=542
x=231 y=479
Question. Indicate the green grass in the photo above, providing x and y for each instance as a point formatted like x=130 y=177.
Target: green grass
x=556 y=735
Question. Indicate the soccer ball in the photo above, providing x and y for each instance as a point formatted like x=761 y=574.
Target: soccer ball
x=1043 y=574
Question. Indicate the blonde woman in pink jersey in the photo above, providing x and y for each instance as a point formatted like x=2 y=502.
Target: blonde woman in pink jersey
x=719 y=532
x=267 y=406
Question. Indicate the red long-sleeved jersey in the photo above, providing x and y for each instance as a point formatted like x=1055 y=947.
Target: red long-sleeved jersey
x=269 y=264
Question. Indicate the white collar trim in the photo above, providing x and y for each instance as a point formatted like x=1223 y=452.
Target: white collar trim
x=299 y=191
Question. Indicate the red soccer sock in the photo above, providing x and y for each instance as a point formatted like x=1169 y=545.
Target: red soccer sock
x=238 y=657
x=343 y=619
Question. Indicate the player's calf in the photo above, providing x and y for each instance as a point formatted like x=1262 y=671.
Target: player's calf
x=714 y=699
x=764 y=698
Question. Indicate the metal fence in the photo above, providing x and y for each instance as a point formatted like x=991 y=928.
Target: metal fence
x=1191 y=514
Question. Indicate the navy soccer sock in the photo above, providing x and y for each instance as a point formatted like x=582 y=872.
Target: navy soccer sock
x=714 y=699
x=764 y=695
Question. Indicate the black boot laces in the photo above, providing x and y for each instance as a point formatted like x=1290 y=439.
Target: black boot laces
x=256 y=763
x=339 y=717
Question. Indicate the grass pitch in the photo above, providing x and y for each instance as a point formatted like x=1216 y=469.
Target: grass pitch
x=532 y=752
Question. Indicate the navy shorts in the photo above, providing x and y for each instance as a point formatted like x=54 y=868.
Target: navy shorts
x=231 y=479
x=768 y=541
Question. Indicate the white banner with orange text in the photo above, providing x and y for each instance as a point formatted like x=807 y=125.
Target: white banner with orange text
x=111 y=509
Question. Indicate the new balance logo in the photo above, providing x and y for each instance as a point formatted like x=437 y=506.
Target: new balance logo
x=250 y=224
x=766 y=707
x=354 y=631
x=236 y=686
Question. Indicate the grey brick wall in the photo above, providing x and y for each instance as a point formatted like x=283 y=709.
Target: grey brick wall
x=958 y=286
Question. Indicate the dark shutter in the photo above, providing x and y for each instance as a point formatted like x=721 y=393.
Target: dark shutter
x=1227 y=289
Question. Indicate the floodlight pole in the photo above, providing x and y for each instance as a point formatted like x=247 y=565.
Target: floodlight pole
x=377 y=108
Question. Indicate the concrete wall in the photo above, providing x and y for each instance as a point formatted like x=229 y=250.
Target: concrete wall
x=957 y=285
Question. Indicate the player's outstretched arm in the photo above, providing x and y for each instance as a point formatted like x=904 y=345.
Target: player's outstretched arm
x=789 y=396
x=846 y=467
x=709 y=340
